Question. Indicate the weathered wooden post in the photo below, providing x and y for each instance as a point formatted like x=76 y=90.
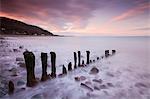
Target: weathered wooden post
x=75 y=60
x=11 y=88
x=82 y=62
x=64 y=70
x=69 y=66
x=44 y=66
x=113 y=52
x=79 y=58
x=88 y=57
x=97 y=58
x=53 y=64
x=106 y=53
x=93 y=60
x=30 y=65
x=90 y=61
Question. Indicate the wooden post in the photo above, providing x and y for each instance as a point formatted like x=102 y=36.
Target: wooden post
x=93 y=60
x=75 y=60
x=69 y=66
x=106 y=53
x=11 y=88
x=88 y=57
x=113 y=52
x=44 y=66
x=83 y=63
x=64 y=70
x=97 y=58
x=53 y=64
x=79 y=58
x=30 y=65
x=90 y=61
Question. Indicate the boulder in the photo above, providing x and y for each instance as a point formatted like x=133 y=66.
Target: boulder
x=94 y=70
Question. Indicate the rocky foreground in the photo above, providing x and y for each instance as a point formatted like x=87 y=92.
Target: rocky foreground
x=111 y=78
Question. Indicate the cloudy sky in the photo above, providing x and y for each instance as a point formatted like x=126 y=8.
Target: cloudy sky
x=82 y=17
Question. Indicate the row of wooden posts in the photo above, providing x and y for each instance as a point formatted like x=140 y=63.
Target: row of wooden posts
x=30 y=65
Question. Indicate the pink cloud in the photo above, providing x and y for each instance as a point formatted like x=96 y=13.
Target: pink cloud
x=141 y=8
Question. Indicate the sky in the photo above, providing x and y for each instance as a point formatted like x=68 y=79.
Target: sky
x=83 y=17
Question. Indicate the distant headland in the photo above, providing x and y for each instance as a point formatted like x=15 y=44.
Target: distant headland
x=14 y=27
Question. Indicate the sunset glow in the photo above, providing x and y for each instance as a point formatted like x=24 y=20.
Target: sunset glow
x=83 y=17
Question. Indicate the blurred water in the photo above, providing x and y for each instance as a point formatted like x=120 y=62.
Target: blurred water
x=130 y=64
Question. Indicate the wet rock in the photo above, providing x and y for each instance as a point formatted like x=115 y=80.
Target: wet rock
x=98 y=81
x=86 y=86
x=14 y=71
x=103 y=87
x=20 y=83
x=88 y=83
x=110 y=85
x=94 y=70
x=16 y=50
x=21 y=89
x=92 y=95
x=22 y=64
x=61 y=75
x=96 y=88
x=20 y=47
x=110 y=74
x=77 y=78
x=140 y=85
x=37 y=96
x=19 y=59
x=81 y=78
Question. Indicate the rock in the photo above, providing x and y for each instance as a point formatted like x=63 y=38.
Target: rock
x=37 y=96
x=110 y=74
x=141 y=85
x=14 y=71
x=20 y=83
x=98 y=81
x=86 y=86
x=22 y=64
x=20 y=47
x=94 y=70
x=16 y=50
x=103 y=87
x=110 y=85
x=20 y=89
x=77 y=78
x=88 y=83
x=19 y=59
x=96 y=88
x=81 y=78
